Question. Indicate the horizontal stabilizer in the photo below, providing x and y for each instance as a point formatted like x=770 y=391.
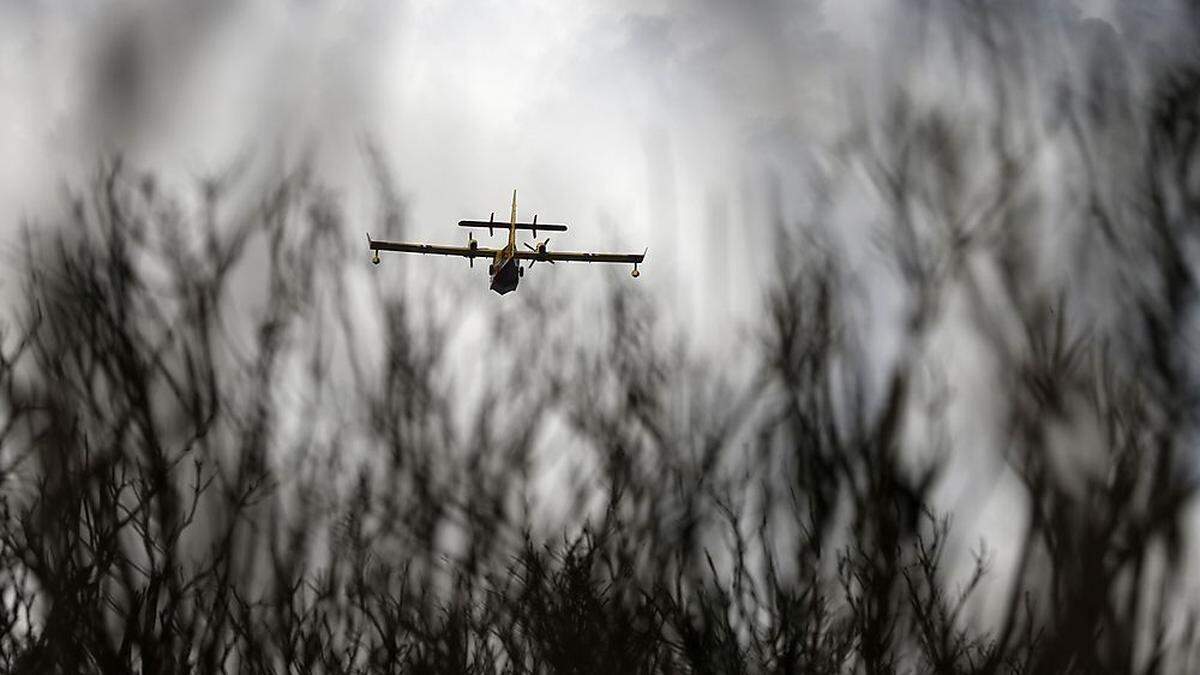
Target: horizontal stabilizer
x=500 y=225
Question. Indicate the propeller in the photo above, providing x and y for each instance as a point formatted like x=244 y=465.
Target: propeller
x=540 y=250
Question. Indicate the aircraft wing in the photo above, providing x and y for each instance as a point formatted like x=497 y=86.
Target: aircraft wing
x=582 y=257
x=462 y=251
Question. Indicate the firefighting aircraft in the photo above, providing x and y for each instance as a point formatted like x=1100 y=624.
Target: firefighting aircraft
x=505 y=269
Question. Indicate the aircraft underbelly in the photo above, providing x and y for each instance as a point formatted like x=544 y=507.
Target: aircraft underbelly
x=506 y=278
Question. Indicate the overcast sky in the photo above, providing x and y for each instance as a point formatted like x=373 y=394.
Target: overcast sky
x=641 y=124
x=657 y=124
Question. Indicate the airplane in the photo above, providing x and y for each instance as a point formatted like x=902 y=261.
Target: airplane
x=505 y=269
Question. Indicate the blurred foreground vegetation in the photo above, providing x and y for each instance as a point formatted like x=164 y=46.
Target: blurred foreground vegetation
x=205 y=470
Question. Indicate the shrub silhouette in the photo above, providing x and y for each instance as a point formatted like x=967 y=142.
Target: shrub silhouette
x=207 y=470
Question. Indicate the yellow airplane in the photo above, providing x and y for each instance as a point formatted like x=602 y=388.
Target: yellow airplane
x=505 y=269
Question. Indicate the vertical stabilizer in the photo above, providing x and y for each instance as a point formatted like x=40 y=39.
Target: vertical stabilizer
x=512 y=226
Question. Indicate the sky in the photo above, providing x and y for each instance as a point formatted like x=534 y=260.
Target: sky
x=643 y=125
x=682 y=127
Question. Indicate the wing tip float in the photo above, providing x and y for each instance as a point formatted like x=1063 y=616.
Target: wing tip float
x=374 y=251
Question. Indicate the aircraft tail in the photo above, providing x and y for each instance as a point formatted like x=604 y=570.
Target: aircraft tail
x=512 y=223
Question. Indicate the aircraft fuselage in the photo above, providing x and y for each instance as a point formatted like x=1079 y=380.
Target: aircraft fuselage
x=506 y=271
x=506 y=275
